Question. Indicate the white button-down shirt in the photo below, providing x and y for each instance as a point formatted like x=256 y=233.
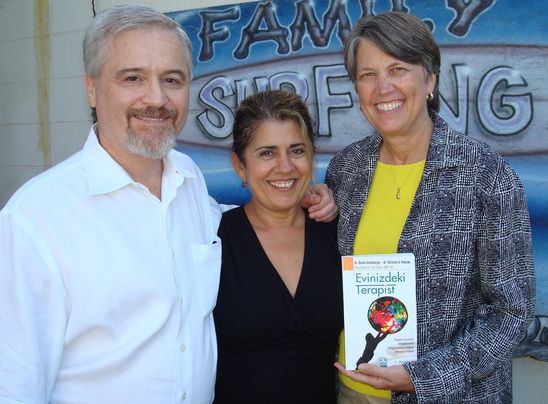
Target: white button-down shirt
x=106 y=292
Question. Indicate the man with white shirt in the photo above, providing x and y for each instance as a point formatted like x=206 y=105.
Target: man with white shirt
x=109 y=261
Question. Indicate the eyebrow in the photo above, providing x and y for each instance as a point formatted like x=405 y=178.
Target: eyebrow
x=271 y=147
x=178 y=72
x=395 y=63
x=123 y=72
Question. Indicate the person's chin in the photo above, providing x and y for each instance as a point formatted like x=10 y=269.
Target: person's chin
x=287 y=203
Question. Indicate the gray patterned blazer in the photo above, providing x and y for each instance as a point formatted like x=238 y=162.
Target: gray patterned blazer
x=470 y=232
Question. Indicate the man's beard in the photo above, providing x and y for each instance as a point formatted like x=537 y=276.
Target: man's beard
x=151 y=142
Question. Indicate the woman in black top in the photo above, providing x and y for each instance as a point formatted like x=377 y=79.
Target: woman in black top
x=279 y=308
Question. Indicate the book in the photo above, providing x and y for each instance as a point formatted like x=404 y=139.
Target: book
x=380 y=309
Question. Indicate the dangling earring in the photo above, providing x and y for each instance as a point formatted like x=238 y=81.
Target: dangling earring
x=243 y=184
x=429 y=96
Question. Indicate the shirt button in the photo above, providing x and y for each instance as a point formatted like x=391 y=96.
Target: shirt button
x=182 y=396
x=183 y=347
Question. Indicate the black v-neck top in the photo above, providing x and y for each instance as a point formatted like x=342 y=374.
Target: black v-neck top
x=273 y=347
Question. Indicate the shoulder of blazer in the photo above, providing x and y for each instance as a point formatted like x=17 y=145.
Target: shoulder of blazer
x=357 y=151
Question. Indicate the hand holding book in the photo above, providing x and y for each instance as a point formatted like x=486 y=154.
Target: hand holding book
x=395 y=378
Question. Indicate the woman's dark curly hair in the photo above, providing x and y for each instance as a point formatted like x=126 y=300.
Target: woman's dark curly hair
x=275 y=105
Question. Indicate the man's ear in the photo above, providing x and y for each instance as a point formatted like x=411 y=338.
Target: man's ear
x=90 y=89
x=238 y=165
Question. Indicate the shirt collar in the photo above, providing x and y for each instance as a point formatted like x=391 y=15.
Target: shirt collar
x=175 y=172
x=105 y=175
x=174 y=165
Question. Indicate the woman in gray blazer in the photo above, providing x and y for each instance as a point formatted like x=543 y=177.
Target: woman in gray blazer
x=417 y=186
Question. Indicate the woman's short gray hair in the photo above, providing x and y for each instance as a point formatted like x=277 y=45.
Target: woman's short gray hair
x=112 y=21
x=400 y=35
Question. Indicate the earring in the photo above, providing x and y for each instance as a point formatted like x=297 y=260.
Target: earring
x=429 y=96
x=243 y=184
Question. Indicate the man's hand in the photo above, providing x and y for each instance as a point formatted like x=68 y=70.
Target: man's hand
x=320 y=203
x=393 y=378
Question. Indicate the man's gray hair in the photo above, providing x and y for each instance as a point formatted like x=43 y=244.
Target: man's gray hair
x=112 y=21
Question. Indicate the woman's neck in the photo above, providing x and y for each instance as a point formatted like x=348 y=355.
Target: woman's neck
x=407 y=148
x=266 y=219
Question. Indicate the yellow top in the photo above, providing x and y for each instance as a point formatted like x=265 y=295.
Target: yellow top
x=387 y=207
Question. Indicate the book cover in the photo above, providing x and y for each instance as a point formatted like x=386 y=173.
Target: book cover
x=380 y=309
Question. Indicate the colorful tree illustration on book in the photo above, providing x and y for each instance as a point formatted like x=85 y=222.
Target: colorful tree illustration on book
x=387 y=315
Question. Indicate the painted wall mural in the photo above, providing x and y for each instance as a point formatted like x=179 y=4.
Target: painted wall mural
x=494 y=58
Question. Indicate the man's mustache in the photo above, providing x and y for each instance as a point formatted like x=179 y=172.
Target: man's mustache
x=152 y=112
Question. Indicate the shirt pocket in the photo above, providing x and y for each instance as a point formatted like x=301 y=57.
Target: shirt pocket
x=207 y=270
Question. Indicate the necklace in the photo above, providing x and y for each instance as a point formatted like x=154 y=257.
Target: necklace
x=398 y=186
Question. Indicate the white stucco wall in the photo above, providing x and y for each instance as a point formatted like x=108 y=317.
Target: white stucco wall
x=44 y=116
